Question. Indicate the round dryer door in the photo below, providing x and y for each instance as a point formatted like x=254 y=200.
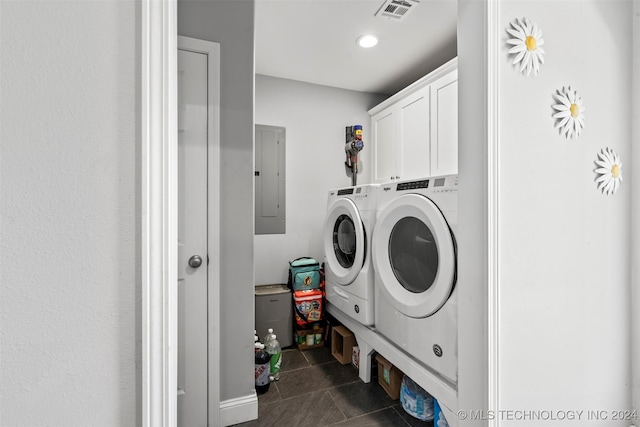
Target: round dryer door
x=344 y=241
x=414 y=255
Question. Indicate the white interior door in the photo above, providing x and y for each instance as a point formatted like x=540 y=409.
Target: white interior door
x=192 y=239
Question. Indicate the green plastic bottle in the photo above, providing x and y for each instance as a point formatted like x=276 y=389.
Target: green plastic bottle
x=275 y=358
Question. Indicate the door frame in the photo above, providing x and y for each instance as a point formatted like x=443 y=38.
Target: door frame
x=158 y=127
x=159 y=214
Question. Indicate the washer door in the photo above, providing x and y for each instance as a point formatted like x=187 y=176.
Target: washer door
x=344 y=241
x=414 y=255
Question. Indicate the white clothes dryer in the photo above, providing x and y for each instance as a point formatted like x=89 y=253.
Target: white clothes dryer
x=348 y=228
x=415 y=263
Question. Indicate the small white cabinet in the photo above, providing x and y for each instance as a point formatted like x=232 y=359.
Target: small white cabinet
x=384 y=131
x=399 y=135
x=413 y=127
x=415 y=132
x=444 y=125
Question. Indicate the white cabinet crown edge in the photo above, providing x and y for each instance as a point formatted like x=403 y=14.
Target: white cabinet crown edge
x=418 y=84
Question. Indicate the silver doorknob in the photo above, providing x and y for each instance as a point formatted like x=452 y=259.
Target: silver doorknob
x=195 y=261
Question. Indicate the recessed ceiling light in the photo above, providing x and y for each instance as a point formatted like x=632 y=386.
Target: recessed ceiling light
x=367 y=40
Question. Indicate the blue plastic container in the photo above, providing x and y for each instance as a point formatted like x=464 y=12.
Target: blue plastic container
x=438 y=417
x=415 y=400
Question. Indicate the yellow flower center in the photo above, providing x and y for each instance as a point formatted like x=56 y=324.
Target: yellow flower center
x=615 y=171
x=575 y=110
x=531 y=43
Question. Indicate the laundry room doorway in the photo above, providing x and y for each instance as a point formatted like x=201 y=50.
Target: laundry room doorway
x=198 y=233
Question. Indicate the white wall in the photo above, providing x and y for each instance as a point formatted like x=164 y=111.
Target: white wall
x=315 y=118
x=564 y=247
x=70 y=207
x=563 y=276
x=70 y=302
x=635 y=213
x=231 y=24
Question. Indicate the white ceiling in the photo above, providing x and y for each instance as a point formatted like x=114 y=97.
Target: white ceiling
x=314 y=41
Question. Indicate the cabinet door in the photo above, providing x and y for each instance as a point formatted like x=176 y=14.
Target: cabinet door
x=444 y=125
x=384 y=145
x=413 y=150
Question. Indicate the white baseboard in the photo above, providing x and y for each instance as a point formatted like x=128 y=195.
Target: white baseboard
x=239 y=410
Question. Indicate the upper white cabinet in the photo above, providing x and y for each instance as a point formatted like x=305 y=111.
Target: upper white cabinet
x=415 y=132
x=384 y=129
x=444 y=125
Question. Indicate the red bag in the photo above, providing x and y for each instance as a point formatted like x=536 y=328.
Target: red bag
x=308 y=306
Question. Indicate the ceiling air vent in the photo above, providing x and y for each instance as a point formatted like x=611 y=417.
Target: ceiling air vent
x=397 y=9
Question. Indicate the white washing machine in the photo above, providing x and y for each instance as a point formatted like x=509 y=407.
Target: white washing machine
x=414 y=253
x=348 y=228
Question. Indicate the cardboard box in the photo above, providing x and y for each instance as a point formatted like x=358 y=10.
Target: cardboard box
x=342 y=342
x=389 y=377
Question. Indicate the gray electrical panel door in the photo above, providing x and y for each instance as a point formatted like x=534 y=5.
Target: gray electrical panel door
x=270 y=180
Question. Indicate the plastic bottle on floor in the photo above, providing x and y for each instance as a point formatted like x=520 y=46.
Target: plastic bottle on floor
x=262 y=369
x=275 y=357
x=270 y=335
x=415 y=400
x=256 y=339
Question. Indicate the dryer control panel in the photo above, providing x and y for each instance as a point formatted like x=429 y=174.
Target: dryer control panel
x=441 y=183
x=412 y=185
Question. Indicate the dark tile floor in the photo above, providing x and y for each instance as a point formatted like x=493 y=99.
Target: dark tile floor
x=315 y=390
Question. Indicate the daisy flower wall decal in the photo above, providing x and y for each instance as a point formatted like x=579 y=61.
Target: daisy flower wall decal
x=526 y=45
x=569 y=117
x=609 y=171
